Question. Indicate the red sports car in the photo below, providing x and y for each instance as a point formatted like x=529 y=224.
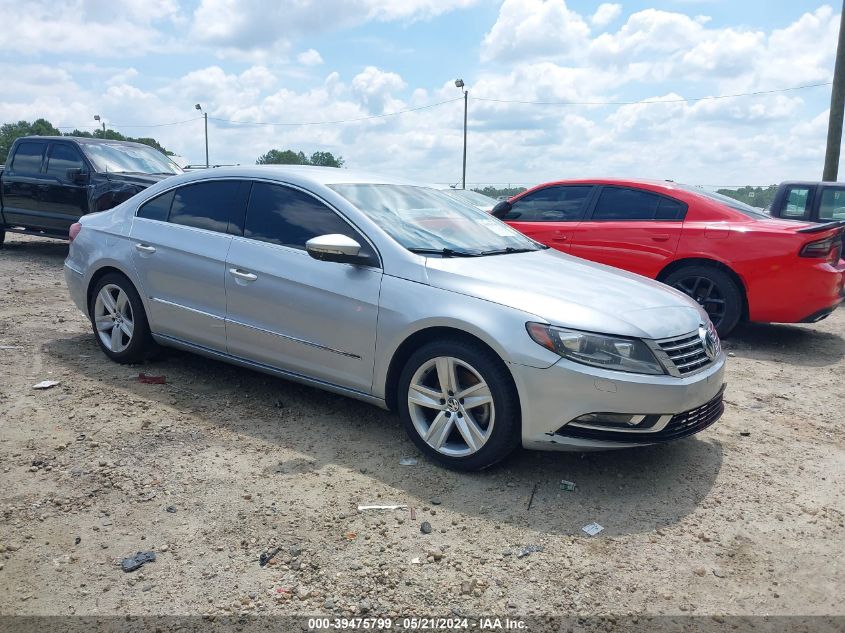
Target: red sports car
x=735 y=260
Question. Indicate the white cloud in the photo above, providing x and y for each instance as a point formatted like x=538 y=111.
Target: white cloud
x=375 y=87
x=528 y=29
x=605 y=14
x=310 y=58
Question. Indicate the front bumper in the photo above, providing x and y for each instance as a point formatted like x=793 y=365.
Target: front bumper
x=555 y=396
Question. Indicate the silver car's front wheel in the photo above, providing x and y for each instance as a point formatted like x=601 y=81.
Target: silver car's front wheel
x=459 y=404
x=113 y=318
x=451 y=406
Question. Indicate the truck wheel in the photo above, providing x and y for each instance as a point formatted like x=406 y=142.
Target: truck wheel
x=459 y=405
x=119 y=321
x=714 y=290
x=2 y=236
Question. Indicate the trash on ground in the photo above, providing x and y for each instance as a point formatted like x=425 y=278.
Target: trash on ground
x=148 y=379
x=46 y=384
x=416 y=561
x=529 y=549
x=266 y=557
x=171 y=509
x=77 y=540
x=531 y=498
x=408 y=461
x=745 y=433
x=350 y=536
x=569 y=486
x=425 y=528
x=9 y=347
x=592 y=528
x=136 y=562
x=382 y=507
x=413 y=513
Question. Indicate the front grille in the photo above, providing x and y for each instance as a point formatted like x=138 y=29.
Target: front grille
x=686 y=354
x=681 y=425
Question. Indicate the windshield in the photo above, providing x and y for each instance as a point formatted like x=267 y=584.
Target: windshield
x=473 y=197
x=736 y=205
x=133 y=159
x=423 y=219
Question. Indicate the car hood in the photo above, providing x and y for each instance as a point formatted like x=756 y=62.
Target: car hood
x=571 y=292
x=144 y=180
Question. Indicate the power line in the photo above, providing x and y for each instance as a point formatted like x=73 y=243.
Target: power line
x=655 y=101
x=363 y=118
x=114 y=125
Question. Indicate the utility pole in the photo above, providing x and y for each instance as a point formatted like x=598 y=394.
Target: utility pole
x=460 y=84
x=837 y=105
x=205 y=117
x=97 y=118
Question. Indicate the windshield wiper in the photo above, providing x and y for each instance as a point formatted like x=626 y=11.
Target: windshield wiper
x=508 y=250
x=443 y=252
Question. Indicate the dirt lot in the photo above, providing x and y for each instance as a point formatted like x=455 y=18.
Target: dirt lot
x=222 y=464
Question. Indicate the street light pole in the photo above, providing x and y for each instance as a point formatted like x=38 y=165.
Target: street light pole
x=460 y=84
x=205 y=117
x=97 y=118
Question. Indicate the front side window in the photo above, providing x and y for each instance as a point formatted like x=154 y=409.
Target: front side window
x=551 y=204
x=832 y=205
x=205 y=205
x=63 y=157
x=424 y=220
x=289 y=217
x=129 y=158
x=796 y=202
x=27 y=160
x=617 y=203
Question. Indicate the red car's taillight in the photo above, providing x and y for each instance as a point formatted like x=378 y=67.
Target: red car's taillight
x=75 y=228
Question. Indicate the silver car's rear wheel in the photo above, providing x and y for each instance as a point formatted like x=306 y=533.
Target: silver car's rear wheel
x=113 y=318
x=451 y=406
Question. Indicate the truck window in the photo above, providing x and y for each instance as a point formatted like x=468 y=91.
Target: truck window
x=832 y=206
x=27 y=160
x=796 y=202
x=63 y=157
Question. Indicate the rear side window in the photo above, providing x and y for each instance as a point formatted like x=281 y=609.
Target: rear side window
x=796 y=202
x=158 y=208
x=285 y=216
x=63 y=157
x=669 y=209
x=551 y=204
x=27 y=160
x=205 y=205
x=616 y=203
x=832 y=204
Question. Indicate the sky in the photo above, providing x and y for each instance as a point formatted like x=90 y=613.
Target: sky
x=373 y=82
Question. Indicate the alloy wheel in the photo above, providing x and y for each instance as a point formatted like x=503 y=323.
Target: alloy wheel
x=707 y=293
x=451 y=406
x=113 y=318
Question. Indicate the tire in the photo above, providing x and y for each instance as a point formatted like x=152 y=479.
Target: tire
x=491 y=421
x=132 y=343
x=2 y=236
x=714 y=290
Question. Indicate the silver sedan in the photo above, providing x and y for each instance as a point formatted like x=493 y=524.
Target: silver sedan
x=395 y=294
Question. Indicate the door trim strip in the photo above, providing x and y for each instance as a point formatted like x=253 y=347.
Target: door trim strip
x=184 y=307
x=294 y=339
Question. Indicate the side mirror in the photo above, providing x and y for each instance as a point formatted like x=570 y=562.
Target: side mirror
x=502 y=209
x=77 y=176
x=334 y=248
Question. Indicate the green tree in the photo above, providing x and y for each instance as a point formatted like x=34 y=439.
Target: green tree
x=10 y=131
x=755 y=196
x=290 y=157
x=493 y=192
x=326 y=159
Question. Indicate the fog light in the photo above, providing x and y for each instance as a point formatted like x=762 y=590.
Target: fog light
x=610 y=419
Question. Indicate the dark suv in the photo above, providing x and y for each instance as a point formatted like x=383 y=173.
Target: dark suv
x=49 y=182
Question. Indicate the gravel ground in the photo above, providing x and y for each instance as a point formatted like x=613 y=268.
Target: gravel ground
x=221 y=464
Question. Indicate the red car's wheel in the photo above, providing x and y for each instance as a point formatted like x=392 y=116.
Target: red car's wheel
x=714 y=290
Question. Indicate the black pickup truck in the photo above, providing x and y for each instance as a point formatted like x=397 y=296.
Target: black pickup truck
x=809 y=201
x=49 y=182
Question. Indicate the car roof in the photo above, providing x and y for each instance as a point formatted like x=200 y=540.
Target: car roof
x=297 y=174
x=82 y=139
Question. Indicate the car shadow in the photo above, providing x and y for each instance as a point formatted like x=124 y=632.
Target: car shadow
x=801 y=345
x=28 y=247
x=626 y=491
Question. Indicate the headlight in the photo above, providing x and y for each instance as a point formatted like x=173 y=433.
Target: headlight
x=598 y=350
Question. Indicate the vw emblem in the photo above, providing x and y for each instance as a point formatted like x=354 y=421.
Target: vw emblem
x=452 y=405
x=707 y=342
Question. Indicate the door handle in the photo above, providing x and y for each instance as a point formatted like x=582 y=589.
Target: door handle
x=242 y=274
x=145 y=248
x=660 y=238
